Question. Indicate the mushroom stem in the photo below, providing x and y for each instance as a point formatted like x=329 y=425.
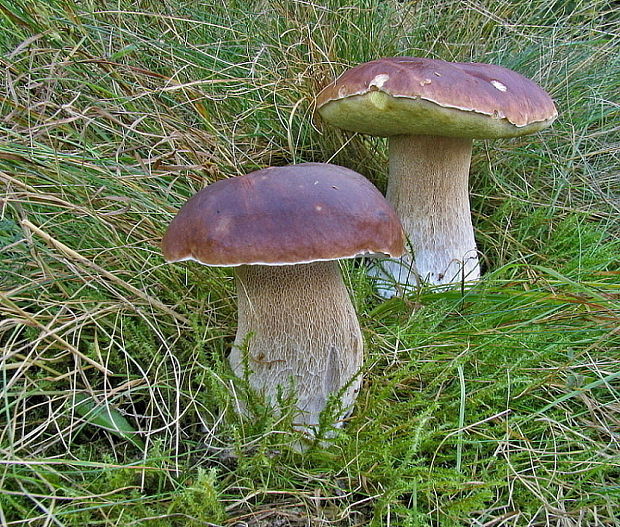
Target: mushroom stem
x=300 y=332
x=428 y=187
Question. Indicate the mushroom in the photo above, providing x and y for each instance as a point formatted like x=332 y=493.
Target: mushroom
x=431 y=110
x=284 y=229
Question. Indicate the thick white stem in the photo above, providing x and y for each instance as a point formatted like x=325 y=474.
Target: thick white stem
x=428 y=187
x=300 y=332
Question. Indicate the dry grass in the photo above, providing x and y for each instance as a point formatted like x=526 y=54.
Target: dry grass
x=499 y=408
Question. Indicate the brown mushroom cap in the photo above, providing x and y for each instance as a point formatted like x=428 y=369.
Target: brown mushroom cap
x=419 y=96
x=285 y=215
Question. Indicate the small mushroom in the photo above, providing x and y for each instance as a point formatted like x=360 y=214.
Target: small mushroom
x=431 y=110
x=284 y=229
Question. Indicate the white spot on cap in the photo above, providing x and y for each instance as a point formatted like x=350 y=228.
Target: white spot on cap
x=498 y=85
x=319 y=208
x=425 y=82
x=379 y=80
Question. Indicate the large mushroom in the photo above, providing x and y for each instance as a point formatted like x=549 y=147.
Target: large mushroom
x=284 y=229
x=431 y=110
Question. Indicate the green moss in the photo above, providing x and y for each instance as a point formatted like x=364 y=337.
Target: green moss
x=476 y=404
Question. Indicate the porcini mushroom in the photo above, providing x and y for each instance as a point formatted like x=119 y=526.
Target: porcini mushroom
x=284 y=229
x=431 y=110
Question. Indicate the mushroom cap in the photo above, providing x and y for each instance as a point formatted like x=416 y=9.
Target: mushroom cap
x=419 y=96
x=285 y=215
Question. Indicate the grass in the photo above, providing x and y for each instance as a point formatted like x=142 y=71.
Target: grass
x=500 y=406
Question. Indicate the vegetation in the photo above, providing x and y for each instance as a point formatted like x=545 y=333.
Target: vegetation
x=495 y=406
